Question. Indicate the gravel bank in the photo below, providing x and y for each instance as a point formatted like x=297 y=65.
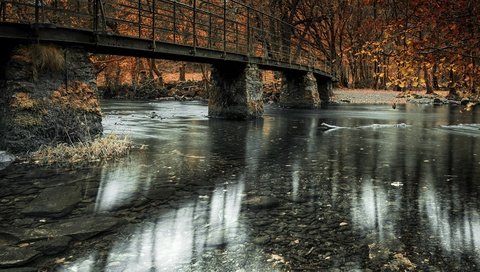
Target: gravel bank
x=366 y=96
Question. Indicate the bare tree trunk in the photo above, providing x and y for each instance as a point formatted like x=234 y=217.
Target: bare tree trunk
x=427 y=80
x=182 y=72
x=435 y=77
x=158 y=73
x=451 y=89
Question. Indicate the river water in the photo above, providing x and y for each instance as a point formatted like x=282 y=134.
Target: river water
x=345 y=188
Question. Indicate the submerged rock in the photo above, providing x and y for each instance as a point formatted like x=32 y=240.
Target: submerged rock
x=54 y=202
x=8 y=238
x=80 y=228
x=52 y=246
x=5 y=159
x=261 y=202
x=16 y=256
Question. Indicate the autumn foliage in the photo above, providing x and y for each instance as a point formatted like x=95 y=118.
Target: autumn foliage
x=401 y=44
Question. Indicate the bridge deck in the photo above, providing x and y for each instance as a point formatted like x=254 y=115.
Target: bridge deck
x=164 y=29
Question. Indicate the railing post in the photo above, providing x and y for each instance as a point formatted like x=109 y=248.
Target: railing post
x=95 y=16
x=236 y=35
x=194 y=26
x=248 y=31
x=290 y=44
x=224 y=27
x=174 y=21
x=209 y=30
x=139 y=18
x=37 y=3
x=153 y=24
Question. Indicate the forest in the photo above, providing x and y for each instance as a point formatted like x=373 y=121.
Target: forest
x=379 y=44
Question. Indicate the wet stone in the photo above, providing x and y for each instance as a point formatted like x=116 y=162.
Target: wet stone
x=20 y=269
x=5 y=159
x=52 y=246
x=54 y=202
x=7 y=239
x=261 y=202
x=163 y=193
x=16 y=256
x=78 y=228
x=261 y=240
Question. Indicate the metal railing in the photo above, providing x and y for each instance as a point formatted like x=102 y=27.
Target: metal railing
x=228 y=26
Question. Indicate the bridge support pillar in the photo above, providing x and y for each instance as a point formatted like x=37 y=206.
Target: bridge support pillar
x=325 y=88
x=48 y=96
x=300 y=90
x=236 y=92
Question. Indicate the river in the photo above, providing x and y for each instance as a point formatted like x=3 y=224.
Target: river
x=344 y=188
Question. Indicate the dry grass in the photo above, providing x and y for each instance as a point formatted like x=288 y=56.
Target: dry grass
x=42 y=58
x=47 y=57
x=103 y=148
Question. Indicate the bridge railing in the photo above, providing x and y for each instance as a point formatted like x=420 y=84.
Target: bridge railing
x=227 y=26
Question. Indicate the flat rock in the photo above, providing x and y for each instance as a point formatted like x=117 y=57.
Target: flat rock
x=54 y=202
x=8 y=237
x=16 y=256
x=52 y=246
x=261 y=202
x=80 y=228
x=21 y=269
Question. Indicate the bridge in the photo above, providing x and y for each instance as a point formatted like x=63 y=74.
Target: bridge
x=237 y=39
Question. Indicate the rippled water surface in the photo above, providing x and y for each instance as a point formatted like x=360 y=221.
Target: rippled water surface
x=338 y=189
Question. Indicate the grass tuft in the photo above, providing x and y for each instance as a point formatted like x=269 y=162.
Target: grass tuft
x=47 y=57
x=102 y=148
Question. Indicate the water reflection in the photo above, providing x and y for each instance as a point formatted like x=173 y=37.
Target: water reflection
x=454 y=224
x=179 y=238
x=120 y=186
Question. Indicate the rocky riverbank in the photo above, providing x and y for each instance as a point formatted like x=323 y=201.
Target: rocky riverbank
x=369 y=96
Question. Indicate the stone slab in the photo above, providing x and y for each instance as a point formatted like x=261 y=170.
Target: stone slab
x=54 y=202
x=80 y=228
x=16 y=256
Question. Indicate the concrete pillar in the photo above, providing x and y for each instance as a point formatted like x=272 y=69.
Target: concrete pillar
x=299 y=90
x=236 y=92
x=48 y=96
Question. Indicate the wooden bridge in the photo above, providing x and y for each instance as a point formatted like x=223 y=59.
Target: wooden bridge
x=204 y=31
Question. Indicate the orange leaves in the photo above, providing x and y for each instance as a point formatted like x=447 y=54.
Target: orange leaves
x=22 y=101
x=76 y=95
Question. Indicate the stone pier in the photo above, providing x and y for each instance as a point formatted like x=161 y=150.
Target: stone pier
x=48 y=95
x=236 y=92
x=325 y=88
x=299 y=90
